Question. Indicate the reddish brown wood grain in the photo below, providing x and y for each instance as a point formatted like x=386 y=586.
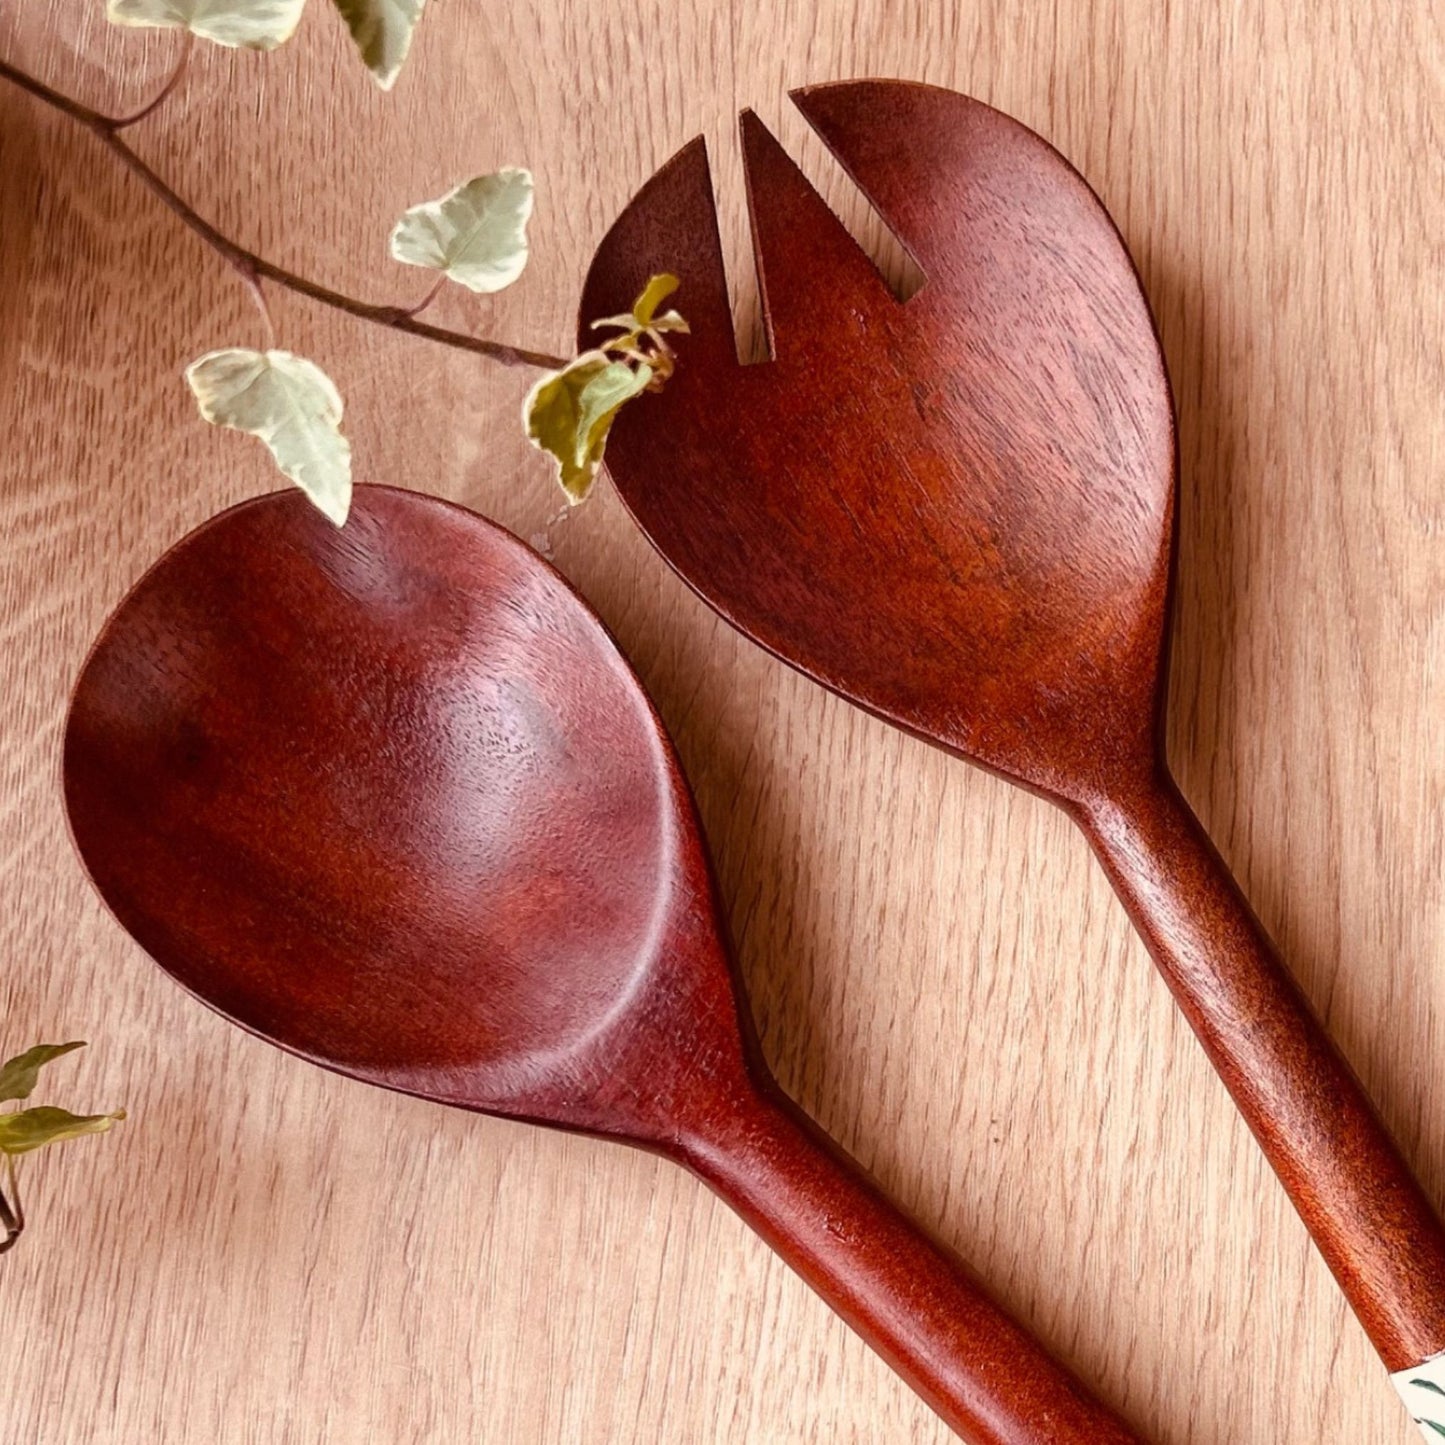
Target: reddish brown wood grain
x=958 y=512
x=391 y=798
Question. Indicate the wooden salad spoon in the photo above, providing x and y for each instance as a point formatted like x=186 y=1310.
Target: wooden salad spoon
x=391 y=798
x=958 y=512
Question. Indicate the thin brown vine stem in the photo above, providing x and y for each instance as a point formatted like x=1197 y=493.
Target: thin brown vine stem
x=161 y=96
x=258 y=295
x=255 y=267
x=431 y=295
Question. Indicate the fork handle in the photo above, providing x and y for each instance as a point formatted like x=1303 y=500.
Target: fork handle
x=1371 y=1221
x=910 y=1297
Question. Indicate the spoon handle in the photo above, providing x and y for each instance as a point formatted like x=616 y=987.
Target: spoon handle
x=911 y=1298
x=1378 y=1232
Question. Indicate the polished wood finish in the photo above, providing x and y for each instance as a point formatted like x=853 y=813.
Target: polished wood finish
x=894 y=913
x=958 y=512
x=392 y=799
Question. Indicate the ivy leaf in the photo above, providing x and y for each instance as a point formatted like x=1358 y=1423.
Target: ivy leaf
x=600 y=401
x=568 y=414
x=657 y=290
x=34 y=1128
x=382 y=30
x=643 y=316
x=18 y=1076
x=624 y=320
x=241 y=24
x=476 y=235
x=293 y=406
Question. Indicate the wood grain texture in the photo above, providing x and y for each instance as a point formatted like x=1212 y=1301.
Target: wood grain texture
x=264 y=1254
x=389 y=796
x=958 y=513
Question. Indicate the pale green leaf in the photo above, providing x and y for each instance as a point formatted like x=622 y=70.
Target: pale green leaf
x=476 y=234
x=568 y=414
x=643 y=316
x=657 y=290
x=248 y=24
x=293 y=406
x=18 y=1076
x=382 y=30
x=601 y=399
x=33 y=1128
x=624 y=322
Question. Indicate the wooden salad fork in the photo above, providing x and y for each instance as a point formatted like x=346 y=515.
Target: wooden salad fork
x=390 y=797
x=958 y=512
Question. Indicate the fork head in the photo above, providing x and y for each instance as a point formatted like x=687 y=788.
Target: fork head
x=956 y=511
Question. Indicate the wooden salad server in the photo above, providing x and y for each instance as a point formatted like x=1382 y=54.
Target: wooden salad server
x=958 y=512
x=390 y=797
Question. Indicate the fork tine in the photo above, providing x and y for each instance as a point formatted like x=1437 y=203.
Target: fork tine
x=917 y=153
x=812 y=274
x=670 y=225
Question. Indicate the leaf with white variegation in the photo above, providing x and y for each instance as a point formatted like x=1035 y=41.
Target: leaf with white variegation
x=382 y=30
x=241 y=24
x=568 y=414
x=475 y=235
x=292 y=406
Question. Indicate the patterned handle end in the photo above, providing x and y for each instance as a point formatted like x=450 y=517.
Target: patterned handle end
x=1423 y=1391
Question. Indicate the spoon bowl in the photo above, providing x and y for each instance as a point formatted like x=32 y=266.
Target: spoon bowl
x=391 y=798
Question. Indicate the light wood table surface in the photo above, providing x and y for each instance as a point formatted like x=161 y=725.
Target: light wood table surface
x=264 y=1253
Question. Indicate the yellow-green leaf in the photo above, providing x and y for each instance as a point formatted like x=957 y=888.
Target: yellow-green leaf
x=34 y=1128
x=601 y=399
x=293 y=406
x=382 y=30
x=476 y=234
x=18 y=1076
x=657 y=290
x=568 y=414
x=623 y=321
x=248 y=24
x=643 y=317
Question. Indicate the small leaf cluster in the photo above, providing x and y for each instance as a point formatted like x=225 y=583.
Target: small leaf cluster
x=569 y=413
x=24 y=1130
x=475 y=235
